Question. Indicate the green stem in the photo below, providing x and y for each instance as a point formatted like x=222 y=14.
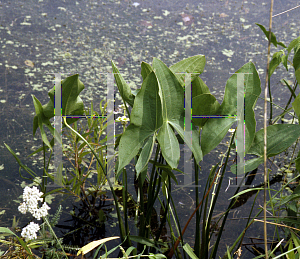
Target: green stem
x=271 y=105
x=125 y=197
x=53 y=233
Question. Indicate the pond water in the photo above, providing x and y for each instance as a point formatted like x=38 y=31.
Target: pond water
x=40 y=37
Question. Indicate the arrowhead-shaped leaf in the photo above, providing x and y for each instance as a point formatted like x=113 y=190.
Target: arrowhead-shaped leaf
x=71 y=102
x=41 y=119
x=194 y=65
x=145 y=120
x=172 y=97
x=71 y=105
x=279 y=138
x=215 y=129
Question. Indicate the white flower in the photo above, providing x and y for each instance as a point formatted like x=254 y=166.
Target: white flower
x=122 y=119
x=122 y=106
x=41 y=212
x=31 y=197
x=29 y=232
x=23 y=208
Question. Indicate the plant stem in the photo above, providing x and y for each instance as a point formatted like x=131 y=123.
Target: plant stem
x=170 y=254
x=265 y=134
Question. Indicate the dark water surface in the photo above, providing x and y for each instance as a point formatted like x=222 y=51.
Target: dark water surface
x=83 y=36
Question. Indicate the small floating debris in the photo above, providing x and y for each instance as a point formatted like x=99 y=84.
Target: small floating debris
x=29 y=63
x=228 y=53
x=223 y=15
x=187 y=19
x=136 y=4
x=145 y=23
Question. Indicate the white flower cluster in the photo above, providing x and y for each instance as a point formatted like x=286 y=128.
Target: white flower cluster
x=122 y=119
x=31 y=197
x=29 y=232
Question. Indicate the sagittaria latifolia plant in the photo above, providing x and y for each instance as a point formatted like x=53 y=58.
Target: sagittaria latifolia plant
x=157 y=126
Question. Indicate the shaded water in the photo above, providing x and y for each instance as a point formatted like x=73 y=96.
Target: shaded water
x=83 y=36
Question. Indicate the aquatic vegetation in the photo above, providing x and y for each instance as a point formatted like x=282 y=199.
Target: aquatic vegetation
x=154 y=129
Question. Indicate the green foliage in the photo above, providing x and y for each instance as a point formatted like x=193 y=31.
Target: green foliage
x=157 y=126
x=158 y=110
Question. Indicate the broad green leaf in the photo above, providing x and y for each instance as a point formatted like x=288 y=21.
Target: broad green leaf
x=250 y=165
x=252 y=92
x=90 y=246
x=293 y=44
x=193 y=65
x=296 y=64
x=145 y=120
x=213 y=132
x=215 y=129
x=147 y=111
x=169 y=145
x=296 y=60
x=171 y=94
x=279 y=138
x=284 y=60
x=71 y=102
x=145 y=155
x=123 y=87
x=297 y=74
x=146 y=69
x=275 y=62
x=131 y=142
x=41 y=119
x=195 y=148
x=71 y=105
x=204 y=104
x=199 y=87
x=296 y=105
x=135 y=92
